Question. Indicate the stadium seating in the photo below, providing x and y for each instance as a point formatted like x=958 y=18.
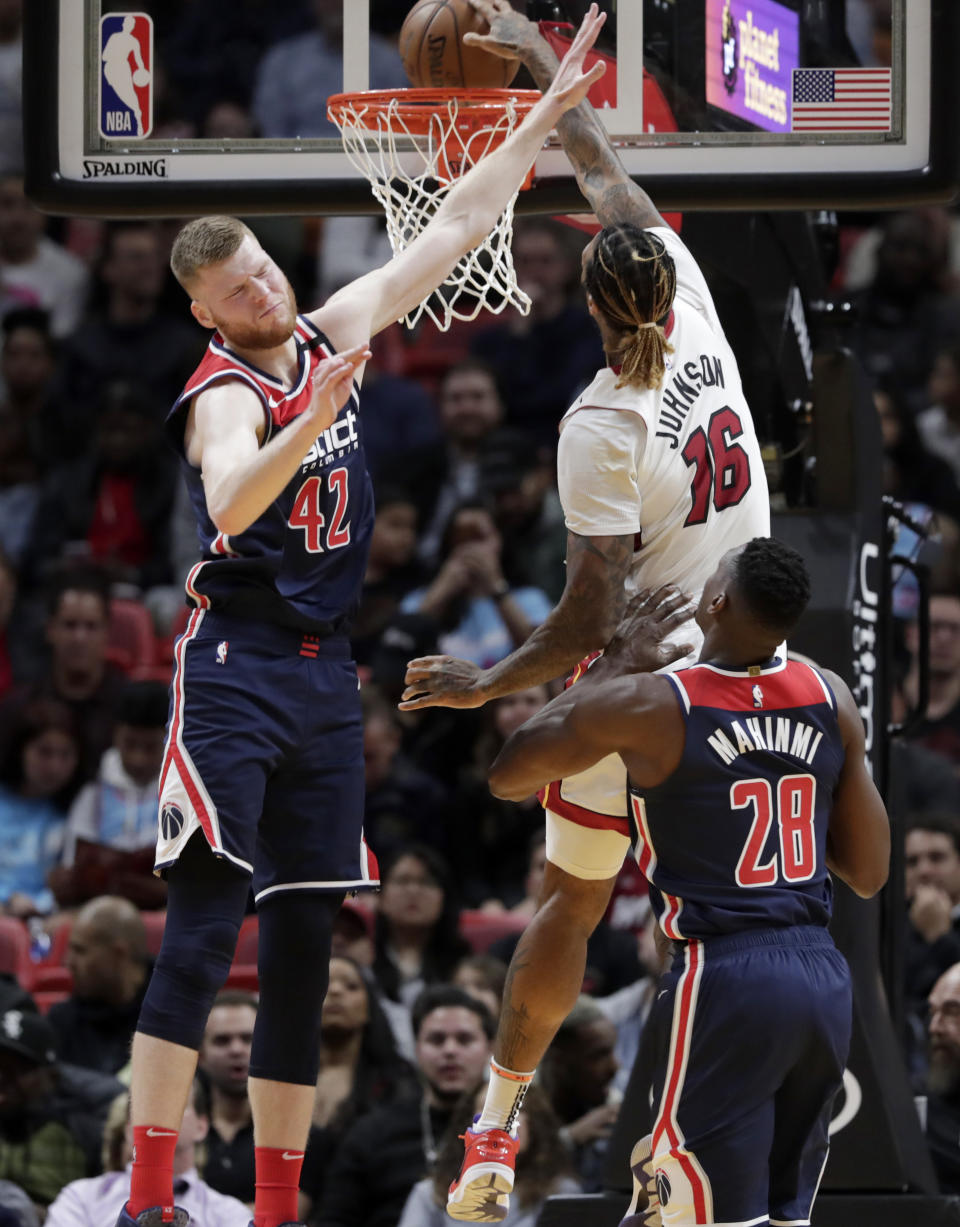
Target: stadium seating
x=154 y=922
x=49 y=980
x=48 y=997
x=246 y=952
x=15 y=959
x=482 y=929
x=132 y=637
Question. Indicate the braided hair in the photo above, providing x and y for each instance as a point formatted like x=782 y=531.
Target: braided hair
x=632 y=279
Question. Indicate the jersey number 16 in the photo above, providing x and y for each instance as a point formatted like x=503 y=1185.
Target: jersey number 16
x=721 y=468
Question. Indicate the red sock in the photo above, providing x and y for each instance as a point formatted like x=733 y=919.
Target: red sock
x=151 y=1183
x=278 y=1182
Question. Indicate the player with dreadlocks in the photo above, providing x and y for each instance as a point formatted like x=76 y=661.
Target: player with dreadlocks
x=660 y=474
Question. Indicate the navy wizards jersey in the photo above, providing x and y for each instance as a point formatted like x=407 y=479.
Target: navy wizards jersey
x=301 y=563
x=735 y=838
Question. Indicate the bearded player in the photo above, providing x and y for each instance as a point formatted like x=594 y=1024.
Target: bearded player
x=263 y=768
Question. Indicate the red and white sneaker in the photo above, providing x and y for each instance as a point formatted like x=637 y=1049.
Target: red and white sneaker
x=481 y=1193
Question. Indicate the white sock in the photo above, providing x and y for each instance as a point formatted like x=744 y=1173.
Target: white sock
x=505 y=1092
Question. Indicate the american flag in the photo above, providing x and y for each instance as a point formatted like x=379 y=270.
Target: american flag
x=841 y=100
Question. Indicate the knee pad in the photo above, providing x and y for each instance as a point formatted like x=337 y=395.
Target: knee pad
x=591 y=853
x=294 y=965
x=206 y=903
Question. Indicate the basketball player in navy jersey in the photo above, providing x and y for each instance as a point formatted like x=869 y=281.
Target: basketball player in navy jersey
x=263 y=781
x=747 y=783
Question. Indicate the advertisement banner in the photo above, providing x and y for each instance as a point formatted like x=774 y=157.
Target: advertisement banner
x=752 y=48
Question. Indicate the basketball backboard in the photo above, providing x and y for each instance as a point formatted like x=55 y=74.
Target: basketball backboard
x=741 y=103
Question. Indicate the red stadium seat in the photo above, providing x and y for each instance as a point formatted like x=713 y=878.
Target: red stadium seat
x=154 y=922
x=244 y=976
x=118 y=655
x=131 y=632
x=48 y=997
x=50 y=974
x=50 y=978
x=15 y=957
x=482 y=929
x=152 y=673
x=246 y=951
x=165 y=644
x=58 y=944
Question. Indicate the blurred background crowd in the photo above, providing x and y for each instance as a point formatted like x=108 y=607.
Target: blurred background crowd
x=96 y=540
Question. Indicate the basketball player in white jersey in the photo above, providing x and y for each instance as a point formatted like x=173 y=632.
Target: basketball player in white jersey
x=659 y=474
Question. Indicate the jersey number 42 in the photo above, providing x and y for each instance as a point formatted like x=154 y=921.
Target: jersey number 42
x=307 y=513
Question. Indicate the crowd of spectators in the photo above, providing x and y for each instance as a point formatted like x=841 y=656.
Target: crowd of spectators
x=467 y=557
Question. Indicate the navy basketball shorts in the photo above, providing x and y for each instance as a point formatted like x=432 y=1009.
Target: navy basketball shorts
x=264 y=755
x=759 y=1032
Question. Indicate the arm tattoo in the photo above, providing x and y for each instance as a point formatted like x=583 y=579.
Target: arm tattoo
x=514 y=1016
x=609 y=190
x=615 y=555
x=587 y=615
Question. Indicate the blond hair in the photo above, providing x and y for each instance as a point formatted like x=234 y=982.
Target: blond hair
x=633 y=280
x=205 y=241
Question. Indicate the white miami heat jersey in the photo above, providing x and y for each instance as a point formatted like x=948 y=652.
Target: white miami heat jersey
x=680 y=465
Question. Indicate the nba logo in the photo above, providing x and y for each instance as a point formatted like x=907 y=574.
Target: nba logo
x=126 y=75
x=222 y=648
x=757 y=697
x=171 y=822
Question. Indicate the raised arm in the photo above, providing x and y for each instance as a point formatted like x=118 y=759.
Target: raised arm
x=858 y=838
x=468 y=213
x=609 y=190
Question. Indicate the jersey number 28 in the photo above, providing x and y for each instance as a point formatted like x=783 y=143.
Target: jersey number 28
x=796 y=857
x=721 y=468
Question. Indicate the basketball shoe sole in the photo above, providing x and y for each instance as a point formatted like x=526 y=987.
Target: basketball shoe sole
x=481 y=1193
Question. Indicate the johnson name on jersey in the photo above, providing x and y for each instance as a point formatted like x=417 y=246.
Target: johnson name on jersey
x=678 y=466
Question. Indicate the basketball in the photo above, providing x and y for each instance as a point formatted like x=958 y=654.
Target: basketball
x=141 y=77
x=433 y=53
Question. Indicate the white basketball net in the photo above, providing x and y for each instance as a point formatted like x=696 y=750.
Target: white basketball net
x=411 y=173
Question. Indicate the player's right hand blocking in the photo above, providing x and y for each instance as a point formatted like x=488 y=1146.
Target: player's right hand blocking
x=509 y=30
x=571 y=84
x=639 y=642
x=333 y=383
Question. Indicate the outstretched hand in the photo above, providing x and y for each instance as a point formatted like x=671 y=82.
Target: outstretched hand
x=333 y=383
x=442 y=681
x=571 y=84
x=638 y=643
x=510 y=32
